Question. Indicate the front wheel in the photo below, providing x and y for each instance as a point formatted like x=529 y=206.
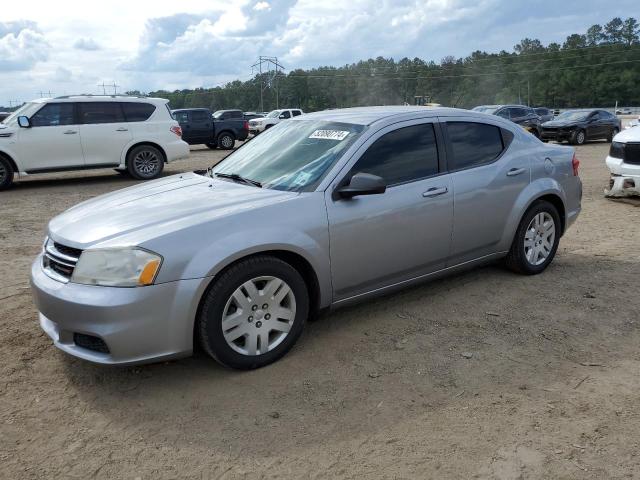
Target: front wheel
x=578 y=137
x=612 y=134
x=254 y=313
x=145 y=162
x=536 y=240
x=6 y=173
x=226 y=141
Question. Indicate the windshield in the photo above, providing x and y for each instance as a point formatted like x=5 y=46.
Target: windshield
x=17 y=113
x=573 y=115
x=485 y=109
x=275 y=113
x=291 y=156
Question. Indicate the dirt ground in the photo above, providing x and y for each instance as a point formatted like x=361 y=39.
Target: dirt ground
x=485 y=374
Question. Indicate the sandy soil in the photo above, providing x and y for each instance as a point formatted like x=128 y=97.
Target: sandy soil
x=483 y=375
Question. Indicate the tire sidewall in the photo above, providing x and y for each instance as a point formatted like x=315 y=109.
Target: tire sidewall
x=221 y=138
x=577 y=135
x=8 y=179
x=131 y=167
x=538 y=207
x=210 y=315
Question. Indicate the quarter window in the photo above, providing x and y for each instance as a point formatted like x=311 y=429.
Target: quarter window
x=100 y=112
x=137 y=112
x=53 y=115
x=181 y=117
x=404 y=155
x=474 y=144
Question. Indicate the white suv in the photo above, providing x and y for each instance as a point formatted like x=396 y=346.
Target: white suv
x=259 y=125
x=130 y=134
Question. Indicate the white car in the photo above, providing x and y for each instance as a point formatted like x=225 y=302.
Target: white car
x=259 y=125
x=134 y=135
x=624 y=163
x=633 y=123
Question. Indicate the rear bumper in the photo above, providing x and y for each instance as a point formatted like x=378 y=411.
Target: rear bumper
x=176 y=150
x=138 y=325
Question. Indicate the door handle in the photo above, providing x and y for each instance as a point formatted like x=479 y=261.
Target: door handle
x=122 y=129
x=435 y=191
x=515 y=171
x=70 y=132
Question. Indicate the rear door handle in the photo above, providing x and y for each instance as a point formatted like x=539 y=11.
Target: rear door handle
x=435 y=191
x=70 y=132
x=515 y=171
x=122 y=129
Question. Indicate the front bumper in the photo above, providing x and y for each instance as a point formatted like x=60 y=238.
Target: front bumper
x=138 y=325
x=625 y=178
x=557 y=135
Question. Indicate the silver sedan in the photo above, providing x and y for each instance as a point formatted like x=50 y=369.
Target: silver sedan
x=324 y=210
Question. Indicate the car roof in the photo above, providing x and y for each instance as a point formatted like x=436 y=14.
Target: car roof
x=370 y=115
x=99 y=98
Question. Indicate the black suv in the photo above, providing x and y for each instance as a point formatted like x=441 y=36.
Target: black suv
x=524 y=116
x=578 y=126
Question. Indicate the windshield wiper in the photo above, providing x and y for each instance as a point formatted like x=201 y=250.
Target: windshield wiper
x=239 y=178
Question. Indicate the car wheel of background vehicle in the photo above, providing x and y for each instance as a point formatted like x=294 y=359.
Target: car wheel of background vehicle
x=212 y=146
x=536 y=239
x=612 y=134
x=145 y=162
x=254 y=313
x=6 y=173
x=536 y=133
x=226 y=141
x=578 y=137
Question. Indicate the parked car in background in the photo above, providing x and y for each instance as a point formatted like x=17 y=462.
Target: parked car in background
x=624 y=164
x=259 y=125
x=220 y=129
x=134 y=135
x=545 y=114
x=252 y=115
x=624 y=111
x=320 y=211
x=633 y=123
x=4 y=115
x=580 y=126
x=524 y=116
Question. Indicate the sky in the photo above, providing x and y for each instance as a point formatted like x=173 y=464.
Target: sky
x=70 y=47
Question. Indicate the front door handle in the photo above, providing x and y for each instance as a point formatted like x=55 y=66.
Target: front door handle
x=515 y=171
x=435 y=191
x=122 y=129
x=70 y=132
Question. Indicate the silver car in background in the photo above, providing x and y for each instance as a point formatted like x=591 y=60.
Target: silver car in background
x=324 y=210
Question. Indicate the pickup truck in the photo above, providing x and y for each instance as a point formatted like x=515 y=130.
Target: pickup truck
x=220 y=129
x=259 y=125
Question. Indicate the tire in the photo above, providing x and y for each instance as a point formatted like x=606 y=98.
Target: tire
x=520 y=258
x=226 y=141
x=212 y=146
x=612 y=134
x=240 y=342
x=6 y=173
x=579 y=137
x=145 y=162
x=536 y=133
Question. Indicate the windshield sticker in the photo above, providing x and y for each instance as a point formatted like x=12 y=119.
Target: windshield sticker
x=330 y=134
x=302 y=179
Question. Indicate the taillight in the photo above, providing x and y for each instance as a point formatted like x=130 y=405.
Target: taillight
x=575 y=163
x=246 y=125
x=177 y=130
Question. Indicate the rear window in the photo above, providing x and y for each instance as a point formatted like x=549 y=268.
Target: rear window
x=100 y=112
x=474 y=144
x=137 y=112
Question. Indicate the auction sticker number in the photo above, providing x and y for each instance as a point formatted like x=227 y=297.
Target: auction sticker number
x=330 y=134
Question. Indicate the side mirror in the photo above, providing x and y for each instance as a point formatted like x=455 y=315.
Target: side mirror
x=362 y=184
x=24 y=122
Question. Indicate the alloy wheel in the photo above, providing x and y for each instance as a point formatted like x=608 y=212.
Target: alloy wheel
x=539 y=238
x=226 y=141
x=259 y=315
x=580 y=138
x=146 y=163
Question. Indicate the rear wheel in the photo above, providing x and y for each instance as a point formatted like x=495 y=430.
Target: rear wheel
x=536 y=240
x=145 y=162
x=226 y=141
x=6 y=173
x=254 y=313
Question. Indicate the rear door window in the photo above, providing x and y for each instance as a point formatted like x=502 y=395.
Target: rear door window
x=296 y=113
x=199 y=116
x=285 y=114
x=181 y=117
x=100 y=112
x=137 y=112
x=473 y=144
x=404 y=155
x=53 y=115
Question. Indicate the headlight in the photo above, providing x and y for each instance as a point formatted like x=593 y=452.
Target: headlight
x=124 y=267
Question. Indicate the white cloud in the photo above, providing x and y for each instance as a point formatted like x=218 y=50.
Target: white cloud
x=262 y=6
x=88 y=44
x=21 y=46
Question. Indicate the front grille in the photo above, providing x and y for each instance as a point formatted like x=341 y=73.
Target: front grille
x=59 y=261
x=95 y=344
x=628 y=152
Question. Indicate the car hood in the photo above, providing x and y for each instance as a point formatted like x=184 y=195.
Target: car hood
x=560 y=123
x=140 y=213
x=628 y=135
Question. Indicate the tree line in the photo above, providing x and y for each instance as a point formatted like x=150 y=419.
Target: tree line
x=597 y=68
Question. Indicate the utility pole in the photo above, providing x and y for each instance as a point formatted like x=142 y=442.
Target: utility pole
x=42 y=94
x=264 y=65
x=115 y=88
x=104 y=87
x=528 y=93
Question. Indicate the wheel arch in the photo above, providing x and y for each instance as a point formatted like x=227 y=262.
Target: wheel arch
x=10 y=159
x=144 y=142
x=230 y=132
